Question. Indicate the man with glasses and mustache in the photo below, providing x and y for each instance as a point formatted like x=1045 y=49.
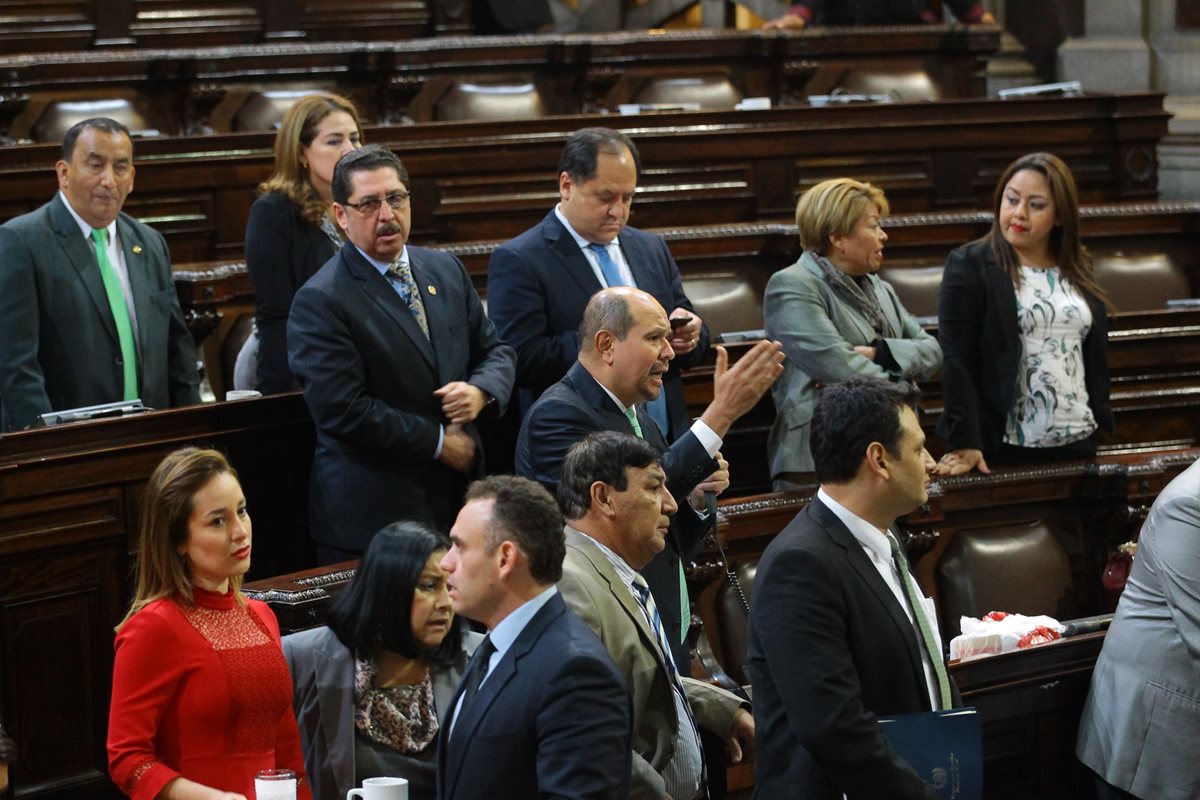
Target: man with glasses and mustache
x=397 y=360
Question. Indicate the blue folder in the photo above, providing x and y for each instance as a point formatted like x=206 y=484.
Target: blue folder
x=944 y=747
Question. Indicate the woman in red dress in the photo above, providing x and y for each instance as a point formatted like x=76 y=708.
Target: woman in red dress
x=201 y=696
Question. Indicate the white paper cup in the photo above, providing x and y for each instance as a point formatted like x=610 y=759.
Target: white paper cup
x=275 y=784
x=381 y=789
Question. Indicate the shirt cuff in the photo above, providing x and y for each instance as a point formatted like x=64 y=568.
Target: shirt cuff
x=441 y=439
x=708 y=438
x=802 y=11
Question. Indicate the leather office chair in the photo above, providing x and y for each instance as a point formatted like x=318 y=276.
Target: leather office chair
x=1017 y=567
x=726 y=301
x=1142 y=281
x=731 y=620
x=490 y=99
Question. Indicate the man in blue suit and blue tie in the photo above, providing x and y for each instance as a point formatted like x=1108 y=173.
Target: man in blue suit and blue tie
x=540 y=282
x=542 y=711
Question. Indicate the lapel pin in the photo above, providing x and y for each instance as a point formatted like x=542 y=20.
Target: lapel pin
x=431 y=289
x=137 y=248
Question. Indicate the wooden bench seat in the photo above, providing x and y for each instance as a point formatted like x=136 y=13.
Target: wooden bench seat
x=479 y=181
x=207 y=89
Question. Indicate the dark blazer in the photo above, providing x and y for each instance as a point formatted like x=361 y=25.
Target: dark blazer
x=830 y=650
x=369 y=374
x=59 y=342
x=553 y=720
x=981 y=351
x=538 y=286
x=576 y=406
x=283 y=250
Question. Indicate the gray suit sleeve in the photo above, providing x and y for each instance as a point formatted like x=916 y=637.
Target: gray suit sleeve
x=796 y=314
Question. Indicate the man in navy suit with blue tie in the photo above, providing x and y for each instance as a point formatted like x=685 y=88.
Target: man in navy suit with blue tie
x=542 y=711
x=540 y=282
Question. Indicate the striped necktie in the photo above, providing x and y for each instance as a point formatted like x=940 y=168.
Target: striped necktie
x=120 y=312
x=926 y=633
x=650 y=610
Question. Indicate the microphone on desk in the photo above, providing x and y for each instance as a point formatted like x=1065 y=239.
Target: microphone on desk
x=1077 y=627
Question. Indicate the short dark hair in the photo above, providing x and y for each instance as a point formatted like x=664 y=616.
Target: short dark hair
x=851 y=414
x=374 y=612
x=95 y=123
x=583 y=147
x=524 y=513
x=606 y=310
x=367 y=158
x=600 y=457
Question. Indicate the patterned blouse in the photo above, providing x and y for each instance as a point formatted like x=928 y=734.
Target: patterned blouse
x=1053 y=318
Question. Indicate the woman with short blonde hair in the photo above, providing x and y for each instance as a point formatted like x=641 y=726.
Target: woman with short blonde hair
x=835 y=317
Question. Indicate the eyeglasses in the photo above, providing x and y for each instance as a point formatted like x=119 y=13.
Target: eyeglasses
x=370 y=206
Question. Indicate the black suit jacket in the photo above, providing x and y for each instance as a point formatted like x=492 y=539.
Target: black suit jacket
x=830 y=650
x=981 y=351
x=283 y=250
x=538 y=286
x=553 y=720
x=576 y=406
x=369 y=374
x=58 y=342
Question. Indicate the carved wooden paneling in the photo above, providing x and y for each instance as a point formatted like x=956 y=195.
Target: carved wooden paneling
x=45 y=26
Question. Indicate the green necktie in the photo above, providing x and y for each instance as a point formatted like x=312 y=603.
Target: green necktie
x=918 y=609
x=631 y=415
x=685 y=606
x=120 y=312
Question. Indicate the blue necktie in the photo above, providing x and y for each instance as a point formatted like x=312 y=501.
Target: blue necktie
x=657 y=408
x=612 y=275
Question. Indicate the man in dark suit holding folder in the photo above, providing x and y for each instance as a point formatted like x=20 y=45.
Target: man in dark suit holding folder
x=840 y=634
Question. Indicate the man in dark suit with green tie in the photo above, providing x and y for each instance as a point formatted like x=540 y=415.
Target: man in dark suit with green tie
x=88 y=310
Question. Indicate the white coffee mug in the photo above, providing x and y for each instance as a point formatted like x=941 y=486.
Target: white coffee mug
x=381 y=789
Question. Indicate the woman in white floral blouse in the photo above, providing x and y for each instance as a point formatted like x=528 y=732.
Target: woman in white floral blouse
x=1024 y=331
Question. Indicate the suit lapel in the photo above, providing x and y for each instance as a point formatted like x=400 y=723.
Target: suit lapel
x=334 y=665
x=135 y=255
x=83 y=260
x=506 y=669
x=575 y=264
x=604 y=569
x=433 y=296
x=611 y=417
x=381 y=295
x=866 y=572
x=1002 y=289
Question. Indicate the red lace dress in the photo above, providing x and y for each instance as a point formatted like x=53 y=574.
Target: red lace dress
x=202 y=693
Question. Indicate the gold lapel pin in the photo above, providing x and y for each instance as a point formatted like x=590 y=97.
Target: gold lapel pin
x=431 y=289
x=137 y=248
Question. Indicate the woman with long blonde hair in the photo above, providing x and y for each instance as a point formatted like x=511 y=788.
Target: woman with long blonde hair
x=201 y=697
x=290 y=233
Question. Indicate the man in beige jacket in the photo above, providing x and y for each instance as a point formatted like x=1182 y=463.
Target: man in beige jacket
x=614 y=497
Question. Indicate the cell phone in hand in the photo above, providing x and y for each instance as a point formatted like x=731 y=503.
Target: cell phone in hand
x=679 y=322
